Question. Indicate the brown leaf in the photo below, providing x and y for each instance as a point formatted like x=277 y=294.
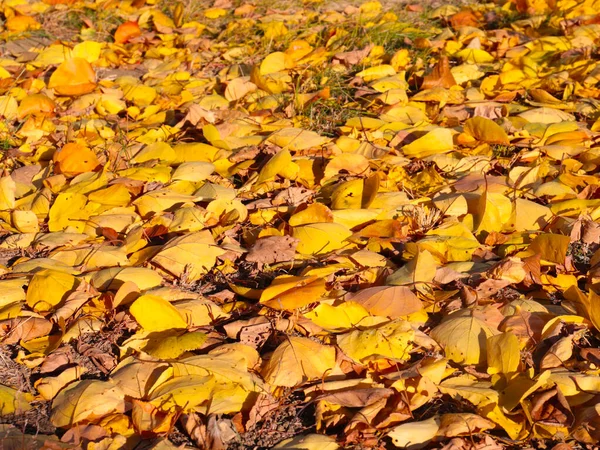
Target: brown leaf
x=389 y=301
x=591 y=354
x=525 y=325
x=80 y=434
x=532 y=270
x=551 y=408
x=273 y=249
x=24 y=329
x=253 y=332
x=440 y=76
x=356 y=397
x=293 y=196
x=264 y=404
x=585 y=230
x=353 y=57
x=220 y=432
x=195 y=429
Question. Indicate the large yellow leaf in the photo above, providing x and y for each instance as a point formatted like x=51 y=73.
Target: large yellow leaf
x=188 y=393
x=225 y=368
x=393 y=341
x=169 y=345
x=436 y=141
x=113 y=278
x=85 y=401
x=13 y=401
x=135 y=377
x=298 y=359
x=320 y=238
x=50 y=386
x=68 y=210
x=49 y=288
x=418 y=272
x=192 y=254
x=156 y=314
x=551 y=247
x=338 y=318
x=463 y=338
x=295 y=139
x=415 y=434
x=503 y=354
x=486 y=130
x=290 y=292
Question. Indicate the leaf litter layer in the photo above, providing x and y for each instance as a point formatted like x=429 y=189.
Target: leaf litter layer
x=257 y=225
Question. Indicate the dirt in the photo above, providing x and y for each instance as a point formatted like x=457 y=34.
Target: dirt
x=282 y=423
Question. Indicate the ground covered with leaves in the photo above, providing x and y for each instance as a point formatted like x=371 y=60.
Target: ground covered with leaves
x=252 y=225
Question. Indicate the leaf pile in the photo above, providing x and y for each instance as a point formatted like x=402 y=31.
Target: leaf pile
x=380 y=226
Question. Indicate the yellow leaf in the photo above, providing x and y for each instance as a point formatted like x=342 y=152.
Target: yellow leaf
x=314 y=213
x=25 y=221
x=348 y=195
x=551 y=247
x=193 y=171
x=475 y=56
x=297 y=360
x=88 y=50
x=156 y=314
x=436 y=141
x=214 y=13
x=159 y=150
x=486 y=130
x=290 y=292
x=493 y=211
x=463 y=337
x=192 y=254
x=320 y=238
x=415 y=434
x=85 y=401
x=276 y=165
x=187 y=393
x=13 y=401
x=50 y=386
x=199 y=312
x=8 y=107
x=393 y=341
x=295 y=139
x=503 y=354
x=113 y=278
x=7 y=193
x=418 y=272
x=172 y=345
x=68 y=210
x=238 y=88
x=337 y=318
x=377 y=72
x=49 y=288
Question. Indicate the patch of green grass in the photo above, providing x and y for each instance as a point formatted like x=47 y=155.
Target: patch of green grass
x=503 y=151
x=325 y=116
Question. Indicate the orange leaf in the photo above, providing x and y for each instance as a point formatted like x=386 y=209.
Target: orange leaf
x=36 y=104
x=22 y=23
x=73 y=77
x=440 y=76
x=127 y=31
x=464 y=19
x=74 y=159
